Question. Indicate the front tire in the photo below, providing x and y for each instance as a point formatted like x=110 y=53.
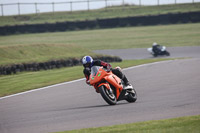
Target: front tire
x=132 y=97
x=107 y=96
x=155 y=55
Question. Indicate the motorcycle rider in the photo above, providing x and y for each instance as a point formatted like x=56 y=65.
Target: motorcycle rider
x=88 y=62
x=156 y=48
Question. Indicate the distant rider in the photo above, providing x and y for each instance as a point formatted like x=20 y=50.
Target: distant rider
x=156 y=48
x=88 y=62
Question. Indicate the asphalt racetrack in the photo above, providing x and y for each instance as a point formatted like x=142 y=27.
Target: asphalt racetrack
x=142 y=53
x=165 y=90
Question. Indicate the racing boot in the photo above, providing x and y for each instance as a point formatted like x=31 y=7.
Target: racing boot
x=126 y=83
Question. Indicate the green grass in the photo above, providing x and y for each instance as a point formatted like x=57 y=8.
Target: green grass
x=47 y=46
x=111 y=12
x=189 y=124
x=21 y=82
x=39 y=53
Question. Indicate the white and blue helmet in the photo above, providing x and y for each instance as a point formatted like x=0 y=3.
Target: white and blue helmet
x=87 y=60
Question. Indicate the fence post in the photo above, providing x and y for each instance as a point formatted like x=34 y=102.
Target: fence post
x=2 y=10
x=140 y=2
x=35 y=8
x=53 y=6
x=123 y=4
x=106 y=4
x=88 y=4
x=71 y=6
x=18 y=8
x=158 y=2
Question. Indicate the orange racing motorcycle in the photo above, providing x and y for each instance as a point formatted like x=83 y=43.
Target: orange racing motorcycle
x=110 y=86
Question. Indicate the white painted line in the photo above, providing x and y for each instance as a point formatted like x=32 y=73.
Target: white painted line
x=41 y=88
x=80 y=80
x=154 y=63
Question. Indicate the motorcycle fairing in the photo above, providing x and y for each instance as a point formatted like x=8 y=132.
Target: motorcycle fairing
x=114 y=81
x=105 y=78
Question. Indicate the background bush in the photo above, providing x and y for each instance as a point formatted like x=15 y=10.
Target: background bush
x=37 y=66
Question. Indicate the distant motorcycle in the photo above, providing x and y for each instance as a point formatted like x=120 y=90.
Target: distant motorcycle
x=110 y=86
x=161 y=51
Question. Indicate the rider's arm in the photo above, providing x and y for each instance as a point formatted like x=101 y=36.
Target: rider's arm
x=87 y=74
x=102 y=63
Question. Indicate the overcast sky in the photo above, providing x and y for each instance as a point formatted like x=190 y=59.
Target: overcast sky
x=32 y=8
x=132 y=1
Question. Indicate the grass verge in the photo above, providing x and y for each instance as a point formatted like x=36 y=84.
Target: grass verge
x=189 y=124
x=17 y=54
x=48 y=46
x=11 y=84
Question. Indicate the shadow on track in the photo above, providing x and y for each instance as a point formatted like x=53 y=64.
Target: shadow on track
x=96 y=106
x=87 y=107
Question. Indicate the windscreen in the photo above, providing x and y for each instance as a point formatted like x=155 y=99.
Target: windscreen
x=94 y=70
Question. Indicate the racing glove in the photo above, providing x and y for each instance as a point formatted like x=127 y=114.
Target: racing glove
x=109 y=67
x=88 y=82
x=106 y=65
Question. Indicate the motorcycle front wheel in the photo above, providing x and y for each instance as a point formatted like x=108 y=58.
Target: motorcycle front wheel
x=108 y=96
x=155 y=55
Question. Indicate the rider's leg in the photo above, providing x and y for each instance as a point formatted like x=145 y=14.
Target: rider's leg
x=126 y=82
x=119 y=73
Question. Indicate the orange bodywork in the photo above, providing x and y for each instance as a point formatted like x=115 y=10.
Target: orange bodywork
x=106 y=78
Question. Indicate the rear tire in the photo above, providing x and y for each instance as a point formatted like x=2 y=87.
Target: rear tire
x=167 y=53
x=132 y=97
x=109 y=98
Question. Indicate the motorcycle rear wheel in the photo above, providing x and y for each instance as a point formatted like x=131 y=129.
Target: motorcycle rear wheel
x=132 y=97
x=167 y=53
x=107 y=96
